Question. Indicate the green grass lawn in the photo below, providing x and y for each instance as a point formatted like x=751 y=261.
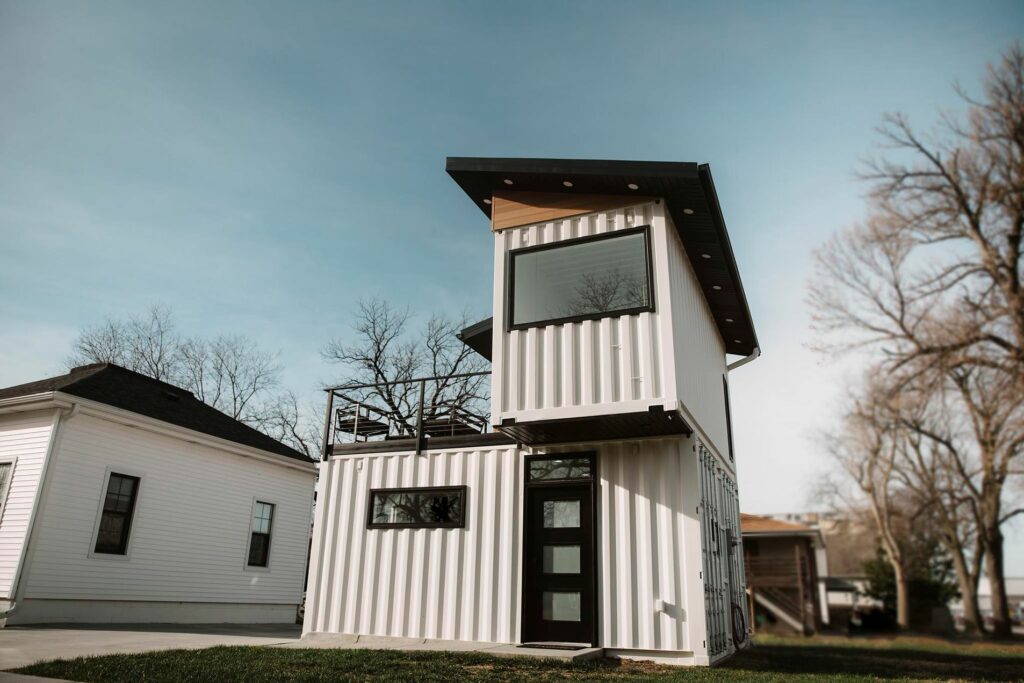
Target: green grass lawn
x=774 y=659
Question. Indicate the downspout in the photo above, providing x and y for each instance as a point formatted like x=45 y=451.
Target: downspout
x=743 y=361
x=51 y=450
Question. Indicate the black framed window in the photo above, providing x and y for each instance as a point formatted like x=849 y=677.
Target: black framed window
x=116 y=519
x=259 y=534
x=601 y=276
x=728 y=413
x=436 y=507
x=560 y=468
x=6 y=473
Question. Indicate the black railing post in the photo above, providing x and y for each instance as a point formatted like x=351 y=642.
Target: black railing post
x=327 y=424
x=419 y=418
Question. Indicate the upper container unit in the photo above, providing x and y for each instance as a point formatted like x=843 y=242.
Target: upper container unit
x=616 y=298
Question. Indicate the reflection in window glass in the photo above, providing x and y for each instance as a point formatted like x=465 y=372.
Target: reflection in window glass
x=561 y=559
x=561 y=606
x=116 y=519
x=561 y=514
x=581 y=280
x=560 y=468
x=417 y=507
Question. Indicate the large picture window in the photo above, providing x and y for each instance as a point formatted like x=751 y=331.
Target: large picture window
x=443 y=507
x=116 y=519
x=581 y=279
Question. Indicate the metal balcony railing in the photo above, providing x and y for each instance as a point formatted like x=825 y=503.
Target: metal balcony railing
x=420 y=409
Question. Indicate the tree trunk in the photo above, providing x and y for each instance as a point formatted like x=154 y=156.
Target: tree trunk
x=902 y=598
x=969 y=594
x=968 y=585
x=1002 y=628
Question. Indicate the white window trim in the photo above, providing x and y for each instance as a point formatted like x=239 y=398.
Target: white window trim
x=6 y=488
x=248 y=539
x=105 y=484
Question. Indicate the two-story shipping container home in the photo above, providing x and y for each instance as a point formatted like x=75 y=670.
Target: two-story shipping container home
x=596 y=505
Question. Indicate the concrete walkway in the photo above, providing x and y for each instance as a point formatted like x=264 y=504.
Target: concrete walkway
x=24 y=645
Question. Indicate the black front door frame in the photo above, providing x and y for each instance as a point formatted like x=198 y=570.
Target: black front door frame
x=529 y=485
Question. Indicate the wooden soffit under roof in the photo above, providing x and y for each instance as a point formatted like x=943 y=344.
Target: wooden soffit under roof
x=510 y=209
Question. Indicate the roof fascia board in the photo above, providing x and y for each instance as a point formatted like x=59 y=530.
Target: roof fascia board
x=41 y=401
x=130 y=419
x=723 y=236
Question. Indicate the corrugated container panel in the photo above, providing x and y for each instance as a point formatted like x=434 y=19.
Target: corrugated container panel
x=642 y=544
x=577 y=364
x=724 y=582
x=24 y=439
x=699 y=352
x=456 y=584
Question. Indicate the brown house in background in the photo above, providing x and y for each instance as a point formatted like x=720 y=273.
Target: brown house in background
x=786 y=568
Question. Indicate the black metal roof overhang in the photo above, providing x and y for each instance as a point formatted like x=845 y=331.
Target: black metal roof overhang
x=685 y=186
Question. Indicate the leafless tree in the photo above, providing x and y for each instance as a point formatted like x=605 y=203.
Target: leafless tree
x=146 y=344
x=388 y=352
x=282 y=418
x=230 y=372
x=932 y=282
x=868 y=448
x=610 y=291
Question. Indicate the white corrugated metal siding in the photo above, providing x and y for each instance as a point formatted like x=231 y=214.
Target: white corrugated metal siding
x=464 y=584
x=725 y=581
x=589 y=363
x=456 y=584
x=643 y=544
x=699 y=351
x=24 y=439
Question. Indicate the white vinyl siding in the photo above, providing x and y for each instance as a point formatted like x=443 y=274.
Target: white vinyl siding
x=190 y=528
x=24 y=439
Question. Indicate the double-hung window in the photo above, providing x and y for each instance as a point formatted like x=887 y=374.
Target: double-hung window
x=601 y=276
x=116 y=518
x=259 y=534
x=6 y=474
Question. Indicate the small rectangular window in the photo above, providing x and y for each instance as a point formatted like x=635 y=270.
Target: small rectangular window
x=116 y=519
x=6 y=472
x=560 y=468
x=594 y=277
x=442 y=507
x=259 y=534
x=728 y=413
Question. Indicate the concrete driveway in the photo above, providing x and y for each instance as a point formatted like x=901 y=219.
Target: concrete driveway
x=24 y=645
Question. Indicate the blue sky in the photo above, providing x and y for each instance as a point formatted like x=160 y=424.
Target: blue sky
x=259 y=167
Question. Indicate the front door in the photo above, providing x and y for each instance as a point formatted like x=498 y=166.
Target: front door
x=559 y=592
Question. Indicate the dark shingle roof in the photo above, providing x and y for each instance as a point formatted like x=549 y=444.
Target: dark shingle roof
x=122 y=388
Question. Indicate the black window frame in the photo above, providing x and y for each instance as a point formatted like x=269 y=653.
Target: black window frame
x=252 y=533
x=590 y=456
x=129 y=517
x=462 y=492
x=510 y=268
x=728 y=415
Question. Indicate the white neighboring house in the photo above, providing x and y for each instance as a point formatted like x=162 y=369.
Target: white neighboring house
x=126 y=499
x=602 y=510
